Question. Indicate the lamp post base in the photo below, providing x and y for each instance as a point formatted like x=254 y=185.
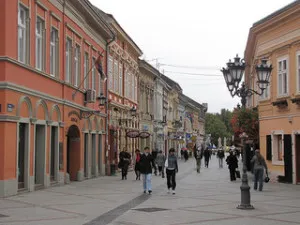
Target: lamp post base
x=245 y=193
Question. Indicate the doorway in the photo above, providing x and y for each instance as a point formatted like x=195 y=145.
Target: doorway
x=94 y=171
x=54 y=154
x=23 y=156
x=297 y=150
x=86 y=155
x=73 y=152
x=100 y=154
x=40 y=153
x=288 y=158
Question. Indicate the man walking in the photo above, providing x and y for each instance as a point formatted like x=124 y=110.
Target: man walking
x=220 y=156
x=171 y=170
x=198 y=156
x=206 y=156
x=259 y=166
x=146 y=165
x=125 y=158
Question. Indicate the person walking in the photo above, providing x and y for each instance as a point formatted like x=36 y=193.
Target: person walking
x=198 y=156
x=136 y=161
x=259 y=164
x=146 y=166
x=125 y=158
x=232 y=163
x=171 y=170
x=186 y=155
x=220 y=155
x=160 y=161
x=206 y=157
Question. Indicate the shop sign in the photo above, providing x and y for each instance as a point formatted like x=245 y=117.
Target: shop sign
x=144 y=135
x=132 y=134
x=10 y=107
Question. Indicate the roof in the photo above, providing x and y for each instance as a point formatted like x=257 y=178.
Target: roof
x=110 y=19
x=272 y=15
x=171 y=82
x=145 y=65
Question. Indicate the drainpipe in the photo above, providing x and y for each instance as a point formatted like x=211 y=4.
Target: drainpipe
x=107 y=116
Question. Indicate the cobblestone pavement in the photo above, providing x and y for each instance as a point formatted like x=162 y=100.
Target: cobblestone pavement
x=204 y=199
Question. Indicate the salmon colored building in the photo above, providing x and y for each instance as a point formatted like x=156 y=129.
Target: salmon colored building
x=52 y=129
x=277 y=38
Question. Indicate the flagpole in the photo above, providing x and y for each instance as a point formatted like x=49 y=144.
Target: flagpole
x=78 y=88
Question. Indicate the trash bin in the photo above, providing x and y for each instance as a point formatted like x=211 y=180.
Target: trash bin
x=112 y=169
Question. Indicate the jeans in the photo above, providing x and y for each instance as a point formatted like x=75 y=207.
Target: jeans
x=220 y=162
x=198 y=165
x=124 y=171
x=258 y=177
x=147 y=182
x=171 y=179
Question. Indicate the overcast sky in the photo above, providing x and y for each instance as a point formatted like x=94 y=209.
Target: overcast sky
x=194 y=36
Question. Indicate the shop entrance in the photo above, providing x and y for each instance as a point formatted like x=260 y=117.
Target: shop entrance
x=297 y=150
x=40 y=154
x=54 y=155
x=23 y=156
x=100 y=154
x=73 y=152
x=94 y=171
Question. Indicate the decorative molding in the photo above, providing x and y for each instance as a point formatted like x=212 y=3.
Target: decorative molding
x=55 y=16
x=61 y=124
x=33 y=120
x=296 y=101
x=280 y=103
x=9 y=118
x=73 y=30
x=49 y=122
x=41 y=5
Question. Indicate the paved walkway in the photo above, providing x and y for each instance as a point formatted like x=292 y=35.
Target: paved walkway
x=204 y=199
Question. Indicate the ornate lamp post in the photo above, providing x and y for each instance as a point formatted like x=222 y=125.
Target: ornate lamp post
x=233 y=75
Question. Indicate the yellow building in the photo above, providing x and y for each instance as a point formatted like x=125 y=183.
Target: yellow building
x=277 y=38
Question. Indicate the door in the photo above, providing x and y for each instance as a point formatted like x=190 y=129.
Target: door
x=297 y=150
x=86 y=155
x=288 y=158
x=93 y=155
x=100 y=154
x=22 y=155
x=54 y=154
x=40 y=153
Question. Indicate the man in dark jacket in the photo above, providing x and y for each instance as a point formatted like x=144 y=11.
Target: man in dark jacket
x=146 y=165
x=125 y=158
x=206 y=157
x=232 y=163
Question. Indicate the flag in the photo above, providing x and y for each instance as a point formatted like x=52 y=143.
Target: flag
x=99 y=67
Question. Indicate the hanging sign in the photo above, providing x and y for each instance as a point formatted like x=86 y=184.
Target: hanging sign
x=144 y=134
x=132 y=134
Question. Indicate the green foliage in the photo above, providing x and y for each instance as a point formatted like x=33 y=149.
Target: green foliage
x=216 y=127
x=226 y=116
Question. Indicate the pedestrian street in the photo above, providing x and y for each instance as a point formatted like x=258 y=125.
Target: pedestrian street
x=205 y=198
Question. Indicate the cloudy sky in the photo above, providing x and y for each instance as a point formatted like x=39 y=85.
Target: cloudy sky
x=192 y=39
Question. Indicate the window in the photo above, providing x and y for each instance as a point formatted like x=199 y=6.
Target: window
x=129 y=85
x=282 y=77
x=126 y=83
x=94 y=74
x=68 y=59
x=22 y=34
x=39 y=44
x=132 y=87
x=135 y=88
x=54 y=52
x=110 y=72
x=121 y=79
x=277 y=149
x=116 y=76
x=86 y=70
x=76 y=75
x=298 y=71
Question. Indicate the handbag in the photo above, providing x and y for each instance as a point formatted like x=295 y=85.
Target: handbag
x=267 y=179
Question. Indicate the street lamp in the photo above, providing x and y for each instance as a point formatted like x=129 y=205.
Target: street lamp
x=233 y=75
x=133 y=111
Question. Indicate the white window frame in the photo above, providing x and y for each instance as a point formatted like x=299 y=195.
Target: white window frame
x=280 y=72
x=110 y=72
x=39 y=44
x=135 y=89
x=86 y=70
x=23 y=31
x=94 y=74
x=54 y=52
x=68 y=63
x=298 y=71
x=132 y=87
x=121 y=79
x=77 y=62
x=275 y=160
x=116 y=76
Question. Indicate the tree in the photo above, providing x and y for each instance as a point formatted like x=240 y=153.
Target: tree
x=226 y=116
x=245 y=120
x=216 y=127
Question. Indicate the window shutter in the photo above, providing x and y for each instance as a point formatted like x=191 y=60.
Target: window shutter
x=269 y=148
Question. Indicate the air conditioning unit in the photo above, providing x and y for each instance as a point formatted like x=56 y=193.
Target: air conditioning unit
x=90 y=96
